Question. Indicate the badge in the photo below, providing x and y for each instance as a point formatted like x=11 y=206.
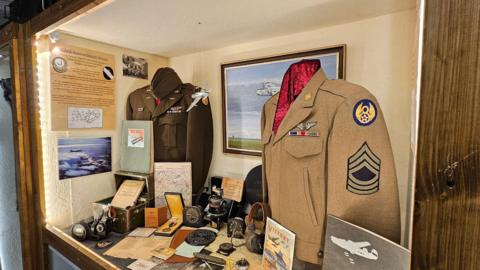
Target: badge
x=205 y=101
x=59 y=64
x=306 y=125
x=302 y=133
x=363 y=173
x=108 y=73
x=175 y=109
x=140 y=109
x=364 y=112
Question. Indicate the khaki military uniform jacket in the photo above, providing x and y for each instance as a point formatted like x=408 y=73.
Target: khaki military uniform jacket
x=179 y=136
x=330 y=155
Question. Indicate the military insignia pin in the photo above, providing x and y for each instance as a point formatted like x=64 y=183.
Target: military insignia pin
x=363 y=174
x=306 y=125
x=364 y=112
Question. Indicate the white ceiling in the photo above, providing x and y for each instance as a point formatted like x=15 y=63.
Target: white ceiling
x=178 y=27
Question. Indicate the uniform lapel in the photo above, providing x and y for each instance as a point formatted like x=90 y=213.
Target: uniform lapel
x=166 y=103
x=301 y=108
x=269 y=117
x=149 y=100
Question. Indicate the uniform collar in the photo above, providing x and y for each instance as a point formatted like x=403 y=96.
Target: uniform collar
x=301 y=108
x=167 y=102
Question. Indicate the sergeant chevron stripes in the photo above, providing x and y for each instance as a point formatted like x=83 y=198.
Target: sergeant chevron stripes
x=363 y=176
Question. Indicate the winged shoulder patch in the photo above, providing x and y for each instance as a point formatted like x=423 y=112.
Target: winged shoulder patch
x=363 y=174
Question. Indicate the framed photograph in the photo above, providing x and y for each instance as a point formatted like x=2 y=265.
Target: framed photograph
x=247 y=85
x=84 y=156
x=135 y=67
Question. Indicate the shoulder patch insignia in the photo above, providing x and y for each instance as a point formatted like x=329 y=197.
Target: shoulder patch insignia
x=364 y=112
x=363 y=174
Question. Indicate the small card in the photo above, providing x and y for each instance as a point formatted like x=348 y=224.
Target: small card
x=142 y=232
x=141 y=265
x=232 y=189
x=186 y=250
x=163 y=252
x=136 y=137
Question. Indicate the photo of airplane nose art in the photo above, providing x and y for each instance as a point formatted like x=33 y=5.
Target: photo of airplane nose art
x=84 y=156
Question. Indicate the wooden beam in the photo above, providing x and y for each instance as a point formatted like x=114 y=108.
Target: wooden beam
x=26 y=194
x=60 y=12
x=28 y=140
x=8 y=32
x=446 y=225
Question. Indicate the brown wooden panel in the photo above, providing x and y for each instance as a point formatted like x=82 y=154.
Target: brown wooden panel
x=29 y=220
x=74 y=251
x=446 y=229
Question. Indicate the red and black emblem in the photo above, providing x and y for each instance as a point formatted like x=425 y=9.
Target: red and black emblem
x=363 y=176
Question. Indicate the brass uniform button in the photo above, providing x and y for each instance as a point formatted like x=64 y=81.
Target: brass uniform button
x=308 y=97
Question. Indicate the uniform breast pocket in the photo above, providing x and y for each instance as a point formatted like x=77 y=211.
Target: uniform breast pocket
x=171 y=132
x=303 y=147
x=141 y=114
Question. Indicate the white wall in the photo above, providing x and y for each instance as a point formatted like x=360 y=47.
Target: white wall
x=68 y=201
x=10 y=244
x=380 y=56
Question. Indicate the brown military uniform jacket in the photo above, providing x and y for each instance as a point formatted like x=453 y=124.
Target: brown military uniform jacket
x=330 y=155
x=179 y=136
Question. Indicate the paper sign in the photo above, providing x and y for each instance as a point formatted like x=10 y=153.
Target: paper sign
x=81 y=78
x=232 y=189
x=85 y=117
x=128 y=193
x=136 y=138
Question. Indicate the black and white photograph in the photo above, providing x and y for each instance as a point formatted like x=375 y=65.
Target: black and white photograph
x=348 y=246
x=84 y=156
x=135 y=67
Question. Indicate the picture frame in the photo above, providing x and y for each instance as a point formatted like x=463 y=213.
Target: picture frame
x=248 y=84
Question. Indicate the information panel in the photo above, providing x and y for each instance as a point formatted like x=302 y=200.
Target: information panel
x=82 y=88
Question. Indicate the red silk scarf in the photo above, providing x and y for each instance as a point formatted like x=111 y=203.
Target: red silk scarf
x=294 y=80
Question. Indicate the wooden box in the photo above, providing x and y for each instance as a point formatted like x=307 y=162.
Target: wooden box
x=154 y=217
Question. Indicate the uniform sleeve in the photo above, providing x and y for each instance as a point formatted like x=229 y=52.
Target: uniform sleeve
x=199 y=143
x=362 y=182
x=129 y=111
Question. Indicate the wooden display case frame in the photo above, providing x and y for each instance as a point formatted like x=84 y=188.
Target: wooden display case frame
x=440 y=180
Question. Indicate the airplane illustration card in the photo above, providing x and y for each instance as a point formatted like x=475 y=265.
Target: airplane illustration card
x=278 y=248
x=348 y=246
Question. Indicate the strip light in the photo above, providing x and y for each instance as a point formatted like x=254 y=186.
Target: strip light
x=43 y=83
